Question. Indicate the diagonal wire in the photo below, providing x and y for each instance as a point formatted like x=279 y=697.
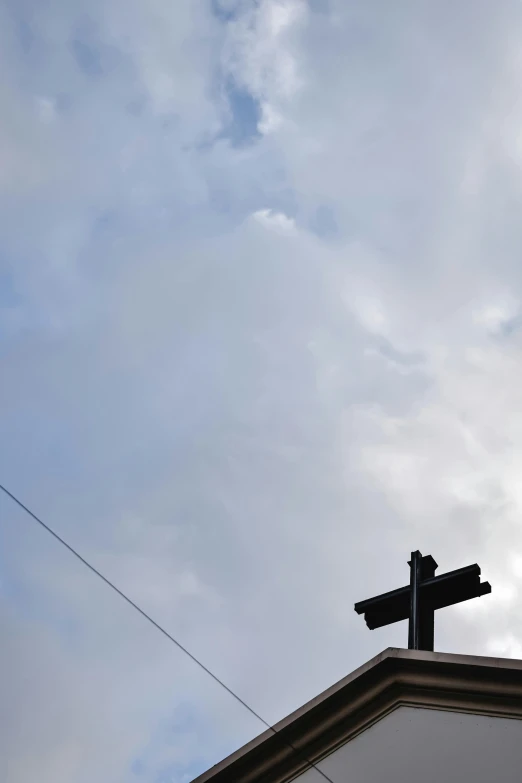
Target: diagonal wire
x=159 y=628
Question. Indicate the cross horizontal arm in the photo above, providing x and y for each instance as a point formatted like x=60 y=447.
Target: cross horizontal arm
x=386 y=608
x=437 y=592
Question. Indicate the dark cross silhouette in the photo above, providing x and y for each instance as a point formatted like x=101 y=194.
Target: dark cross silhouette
x=419 y=600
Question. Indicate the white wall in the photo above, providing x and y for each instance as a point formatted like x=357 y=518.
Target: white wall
x=428 y=746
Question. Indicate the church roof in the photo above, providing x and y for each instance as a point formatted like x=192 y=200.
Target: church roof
x=394 y=678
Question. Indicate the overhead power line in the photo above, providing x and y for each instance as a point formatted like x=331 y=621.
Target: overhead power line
x=159 y=628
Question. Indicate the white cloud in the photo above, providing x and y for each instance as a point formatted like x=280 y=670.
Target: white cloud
x=247 y=427
x=494 y=317
x=275 y=221
x=260 y=54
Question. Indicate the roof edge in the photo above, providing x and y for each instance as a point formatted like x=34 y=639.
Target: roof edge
x=395 y=677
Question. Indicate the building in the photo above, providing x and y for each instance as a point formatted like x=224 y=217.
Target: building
x=406 y=715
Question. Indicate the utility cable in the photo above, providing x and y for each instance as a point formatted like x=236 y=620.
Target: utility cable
x=158 y=627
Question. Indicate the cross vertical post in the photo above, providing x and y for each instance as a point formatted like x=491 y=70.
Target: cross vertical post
x=427 y=613
x=414 y=627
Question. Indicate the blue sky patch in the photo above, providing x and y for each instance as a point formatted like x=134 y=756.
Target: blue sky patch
x=87 y=57
x=225 y=10
x=25 y=35
x=245 y=114
x=324 y=223
x=8 y=294
x=319 y=6
x=92 y=55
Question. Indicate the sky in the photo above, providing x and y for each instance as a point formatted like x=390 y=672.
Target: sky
x=260 y=310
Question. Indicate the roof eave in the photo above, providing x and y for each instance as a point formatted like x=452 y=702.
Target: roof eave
x=393 y=678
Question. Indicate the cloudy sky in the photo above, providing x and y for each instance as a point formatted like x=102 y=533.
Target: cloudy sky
x=260 y=310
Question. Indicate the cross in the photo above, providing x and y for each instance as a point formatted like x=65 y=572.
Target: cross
x=418 y=601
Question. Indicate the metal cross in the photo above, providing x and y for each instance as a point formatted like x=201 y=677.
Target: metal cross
x=418 y=601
